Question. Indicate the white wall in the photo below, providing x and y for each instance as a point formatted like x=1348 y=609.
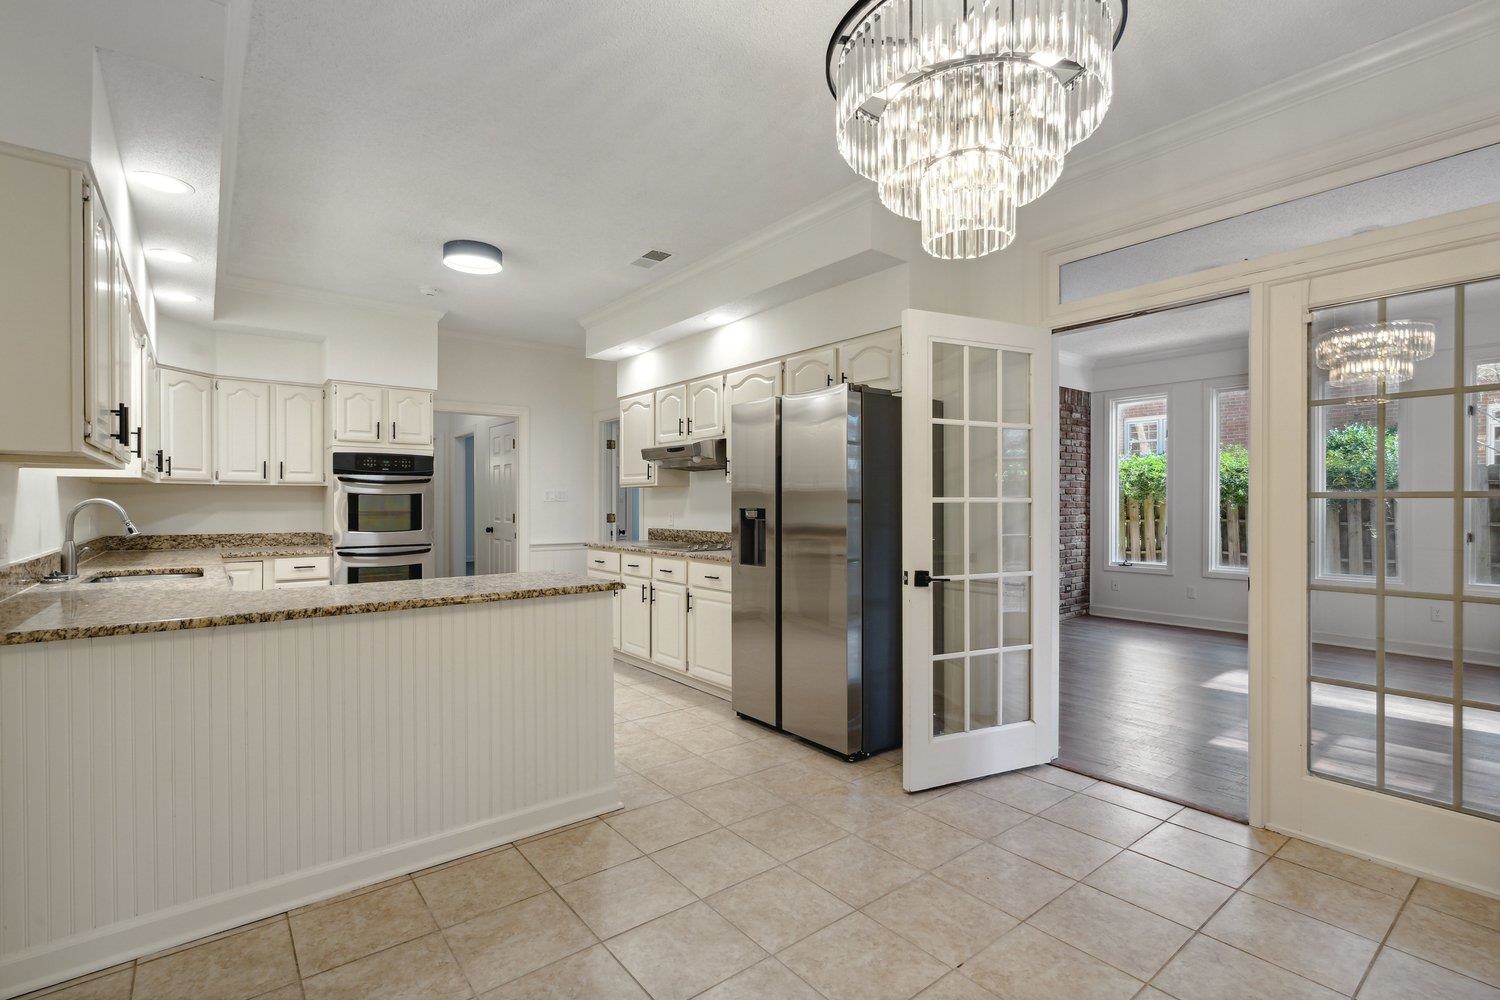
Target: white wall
x=1146 y=593
x=561 y=393
x=240 y=353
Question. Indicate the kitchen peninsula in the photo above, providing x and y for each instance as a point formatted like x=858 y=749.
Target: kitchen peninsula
x=177 y=755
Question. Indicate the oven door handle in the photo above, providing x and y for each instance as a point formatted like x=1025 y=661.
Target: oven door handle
x=376 y=552
x=383 y=480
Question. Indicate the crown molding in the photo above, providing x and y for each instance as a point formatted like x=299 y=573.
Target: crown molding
x=1351 y=69
x=859 y=194
x=317 y=296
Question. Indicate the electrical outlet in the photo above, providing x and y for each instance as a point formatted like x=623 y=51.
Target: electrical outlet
x=1436 y=614
x=1192 y=593
x=1114 y=585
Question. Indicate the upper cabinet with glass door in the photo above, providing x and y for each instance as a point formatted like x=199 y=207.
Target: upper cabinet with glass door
x=65 y=327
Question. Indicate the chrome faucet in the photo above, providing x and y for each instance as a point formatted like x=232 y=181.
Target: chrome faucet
x=68 y=570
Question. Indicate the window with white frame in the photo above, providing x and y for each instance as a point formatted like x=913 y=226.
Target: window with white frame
x=1229 y=495
x=1484 y=512
x=1138 y=481
x=1347 y=466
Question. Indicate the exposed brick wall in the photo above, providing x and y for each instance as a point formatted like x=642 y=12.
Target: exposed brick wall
x=1074 y=433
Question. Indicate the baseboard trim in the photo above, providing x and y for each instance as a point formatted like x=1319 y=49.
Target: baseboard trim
x=1162 y=618
x=673 y=675
x=69 y=958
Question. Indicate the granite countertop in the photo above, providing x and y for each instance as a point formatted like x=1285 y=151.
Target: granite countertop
x=79 y=609
x=668 y=541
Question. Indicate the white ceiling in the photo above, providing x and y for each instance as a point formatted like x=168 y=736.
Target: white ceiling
x=1207 y=326
x=576 y=136
x=167 y=121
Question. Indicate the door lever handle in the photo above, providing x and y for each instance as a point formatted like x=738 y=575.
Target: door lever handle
x=926 y=579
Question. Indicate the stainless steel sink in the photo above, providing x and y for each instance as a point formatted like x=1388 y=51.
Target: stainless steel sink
x=164 y=575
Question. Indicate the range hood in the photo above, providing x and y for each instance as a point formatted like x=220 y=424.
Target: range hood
x=695 y=456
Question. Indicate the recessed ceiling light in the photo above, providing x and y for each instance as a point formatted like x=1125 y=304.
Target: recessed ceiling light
x=173 y=296
x=161 y=183
x=718 y=318
x=472 y=257
x=630 y=350
x=170 y=256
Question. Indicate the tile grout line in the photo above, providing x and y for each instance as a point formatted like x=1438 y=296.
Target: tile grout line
x=1375 y=956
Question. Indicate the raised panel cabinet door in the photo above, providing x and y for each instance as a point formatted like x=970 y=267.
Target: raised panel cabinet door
x=358 y=413
x=298 y=447
x=813 y=370
x=100 y=355
x=153 y=461
x=409 y=412
x=637 y=431
x=705 y=399
x=710 y=616
x=124 y=342
x=874 y=361
x=635 y=619
x=671 y=414
x=669 y=625
x=245 y=575
x=242 y=415
x=187 y=427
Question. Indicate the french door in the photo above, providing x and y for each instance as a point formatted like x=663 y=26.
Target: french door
x=979 y=548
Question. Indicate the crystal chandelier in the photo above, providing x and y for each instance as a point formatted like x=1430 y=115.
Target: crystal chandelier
x=961 y=111
x=1383 y=354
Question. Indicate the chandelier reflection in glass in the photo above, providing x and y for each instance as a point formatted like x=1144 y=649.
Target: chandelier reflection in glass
x=961 y=111
x=1377 y=356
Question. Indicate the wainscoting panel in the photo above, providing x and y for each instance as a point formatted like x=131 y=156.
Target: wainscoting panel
x=559 y=557
x=157 y=787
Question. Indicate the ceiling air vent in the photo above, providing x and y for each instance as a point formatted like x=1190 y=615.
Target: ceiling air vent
x=650 y=258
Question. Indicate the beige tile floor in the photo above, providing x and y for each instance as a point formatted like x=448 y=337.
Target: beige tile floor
x=747 y=865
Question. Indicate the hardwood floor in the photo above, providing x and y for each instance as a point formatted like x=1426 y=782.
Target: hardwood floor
x=1158 y=708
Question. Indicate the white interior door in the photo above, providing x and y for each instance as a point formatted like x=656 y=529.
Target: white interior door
x=501 y=531
x=979 y=517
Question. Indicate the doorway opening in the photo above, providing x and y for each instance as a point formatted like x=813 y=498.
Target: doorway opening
x=477 y=480
x=1154 y=468
x=620 y=517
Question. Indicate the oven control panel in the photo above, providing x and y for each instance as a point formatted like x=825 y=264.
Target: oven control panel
x=378 y=463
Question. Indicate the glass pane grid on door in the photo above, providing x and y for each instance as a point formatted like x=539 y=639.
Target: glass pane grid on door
x=1404 y=590
x=981 y=523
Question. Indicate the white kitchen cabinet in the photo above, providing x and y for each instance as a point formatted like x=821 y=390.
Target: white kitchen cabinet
x=813 y=370
x=635 y=619
x=637 y=431
x=187 y=427
x=61 y=374
x=358 y=413
x=669 y=625
x=615 y=608
x=705 y=408
x=153 y=462
x=748 y=385
x=297 y=434
x=245 y=575
x=409 y=413
x=242 y=439
x=710 y=615
x=874 y=361
x=671 y=408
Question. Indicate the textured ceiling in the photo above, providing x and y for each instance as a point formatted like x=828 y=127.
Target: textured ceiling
x=1216 y=325
x=167 y=121
x=578 y=135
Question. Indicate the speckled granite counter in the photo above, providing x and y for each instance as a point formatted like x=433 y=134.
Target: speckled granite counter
x=669 y=542
x=82 y=609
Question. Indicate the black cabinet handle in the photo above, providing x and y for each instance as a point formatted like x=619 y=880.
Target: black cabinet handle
x=653 y=593
x=690 y=425
x=689 y=602
x=304 y=567
x=265 y=469
x=138 y=441
x=123 y=434
x=679 y=425
x=707 y=577
x=598 y=562
x=159 y=460
x=280 y=470
x=393 y=430
x=379 y=426
x=830 y=378
x=643 y=593
x=666 y=571
x=169 y=466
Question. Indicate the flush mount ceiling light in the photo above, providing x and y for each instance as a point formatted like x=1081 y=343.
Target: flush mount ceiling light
x=1375 y=355
x=472 y=257
x=161 y=183
x=169 y=256
x=961 y=111
x=172 y=296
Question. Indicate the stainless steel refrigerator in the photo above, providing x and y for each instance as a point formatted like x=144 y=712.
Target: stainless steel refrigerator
x=816 y=509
